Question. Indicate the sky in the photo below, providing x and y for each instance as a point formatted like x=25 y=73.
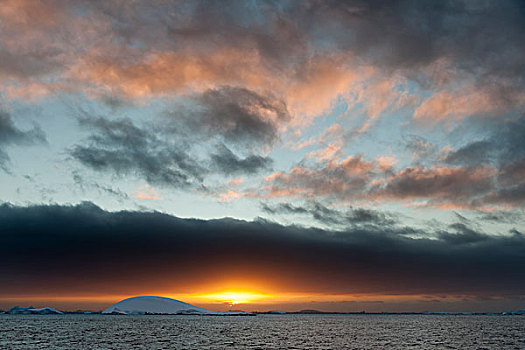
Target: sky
x=263 y=155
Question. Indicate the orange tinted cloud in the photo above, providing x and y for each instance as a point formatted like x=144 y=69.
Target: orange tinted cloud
x=229 y=196
x=321 y=80
x=29 y=13
x=161 y=73
x=355 y=179
x=455 y=186
x=453 y=105
x=343 y=178
x=148 y=193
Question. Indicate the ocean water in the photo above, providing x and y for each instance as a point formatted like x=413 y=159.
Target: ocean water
x=262 y=332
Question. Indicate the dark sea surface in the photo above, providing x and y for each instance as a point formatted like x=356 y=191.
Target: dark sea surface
x=262 y=332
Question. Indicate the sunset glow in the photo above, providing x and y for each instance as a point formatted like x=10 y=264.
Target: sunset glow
x=264 y=155
x=234 y=297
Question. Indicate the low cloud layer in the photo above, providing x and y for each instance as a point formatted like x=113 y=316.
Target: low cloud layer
x=68 y=250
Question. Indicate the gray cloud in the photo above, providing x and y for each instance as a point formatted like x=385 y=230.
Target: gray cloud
x=161 y=157
x=503 y=145
x=330 y=216
x=284 y=208
x=508 y=140
x=10 y=134
x=503 y=217
x=164 y=154
x=121 y=147
x=463 y=235
x=475 y=153
x=238 y=115
x=84 y=184
x=419 y=147
x=226 y=162
x=504 y=150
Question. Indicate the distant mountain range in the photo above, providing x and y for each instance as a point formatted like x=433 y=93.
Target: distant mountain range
x=33 y=311
x=155 y=305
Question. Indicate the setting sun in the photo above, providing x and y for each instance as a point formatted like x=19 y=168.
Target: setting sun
x=234 y=297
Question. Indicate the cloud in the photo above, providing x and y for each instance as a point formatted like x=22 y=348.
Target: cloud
x=238 y=115
x=160 y=156
x=486 y=173
x=248 y=72
x=475 y=153
x=235 y=182
x=510 y=188
x=226 y=162
x=65 y=250
x=173 y=153
x=85 y=183
x=504 y=150
x=224 y=60
x=503 y=217
x=419 y=147
x=308 y=52
x=331 y=216
x=455 y=105
x=342 y=178
x=120 y=147
x=388 y=34
x=463 y=235
x=357 y=179
x=460 y=185
x=147 y=193
x=11 y=135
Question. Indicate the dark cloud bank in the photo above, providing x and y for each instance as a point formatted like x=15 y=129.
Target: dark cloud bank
x=82 y=249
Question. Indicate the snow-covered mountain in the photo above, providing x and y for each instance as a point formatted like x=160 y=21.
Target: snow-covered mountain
x=518 y=312
x=160 y=305
x=32 y=311
x=154 y=305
